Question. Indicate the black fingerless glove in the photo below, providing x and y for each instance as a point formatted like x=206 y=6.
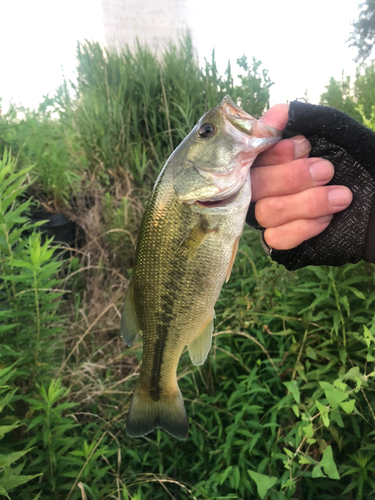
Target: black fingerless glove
x=350 y=146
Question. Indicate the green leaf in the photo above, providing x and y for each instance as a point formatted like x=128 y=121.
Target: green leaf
x=368 y=336
x=263 y=482
x=310 y=353
x=357 y=293
x=353 y=373
x=308 y=430
x=345 y=302
x=324 y=412
x=335 y=417
x=12 y=480
x=328 y=464
x=236 y=471
x=317 y=471
x=334 y=396
x=6 y=460
x=292 y=387
x=289 y=452
x=348 y=406
x=125 y=494
x=224 y=474
x=4 y=492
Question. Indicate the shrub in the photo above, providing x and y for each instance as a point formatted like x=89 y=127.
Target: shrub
x=51 y=146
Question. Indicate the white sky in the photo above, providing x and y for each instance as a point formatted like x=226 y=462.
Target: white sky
x=302 y=44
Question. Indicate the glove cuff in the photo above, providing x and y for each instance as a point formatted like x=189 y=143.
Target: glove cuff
x=250 y=218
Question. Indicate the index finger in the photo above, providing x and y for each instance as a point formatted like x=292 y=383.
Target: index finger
x=284 y=151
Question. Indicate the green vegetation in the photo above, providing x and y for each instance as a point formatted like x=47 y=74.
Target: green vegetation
x=284 y=406
x=363 y=34
x=348 y=96
x=53 y=148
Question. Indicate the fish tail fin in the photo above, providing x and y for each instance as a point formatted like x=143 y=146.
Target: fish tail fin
x=147 y=414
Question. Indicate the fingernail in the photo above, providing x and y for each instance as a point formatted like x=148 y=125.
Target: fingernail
x=301 y=146
x=340 y=197
x=325 y=219
x=322 y=171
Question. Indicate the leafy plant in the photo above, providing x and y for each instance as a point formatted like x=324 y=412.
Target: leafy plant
x=134 y=109
x=351 y=95
x=50 y=429
x=121 y=220
x=28 y=294
x=10 y=477
x=51 y=146
x=283 y=407
x=363 y=33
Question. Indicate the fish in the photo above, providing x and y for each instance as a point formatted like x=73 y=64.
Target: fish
x=186 y=248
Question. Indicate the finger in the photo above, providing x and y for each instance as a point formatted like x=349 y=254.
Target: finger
x=295 y=232
x=290 y=178
x=309 y=204
x=284 y=151
x=277 y=116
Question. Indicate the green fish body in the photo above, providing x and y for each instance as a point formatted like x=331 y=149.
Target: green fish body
x=186 y=248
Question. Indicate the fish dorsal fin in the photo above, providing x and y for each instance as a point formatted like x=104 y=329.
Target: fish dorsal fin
x=232 y=259
x=129 y=322
x=201 y=345
x=195 y=238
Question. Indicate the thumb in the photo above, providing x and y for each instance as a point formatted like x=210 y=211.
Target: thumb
x=277 y=116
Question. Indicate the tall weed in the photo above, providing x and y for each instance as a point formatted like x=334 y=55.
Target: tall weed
x=134 y=109
x=51 y=146
x=28 y=287
x=10 y=477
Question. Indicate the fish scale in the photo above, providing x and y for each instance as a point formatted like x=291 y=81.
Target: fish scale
x=186 y=248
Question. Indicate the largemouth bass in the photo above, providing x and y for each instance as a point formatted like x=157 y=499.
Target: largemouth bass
x=186 y=248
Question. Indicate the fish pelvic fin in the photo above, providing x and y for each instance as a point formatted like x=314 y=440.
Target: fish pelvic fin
x=129 y=322
x=168 y=413
x=201 y=345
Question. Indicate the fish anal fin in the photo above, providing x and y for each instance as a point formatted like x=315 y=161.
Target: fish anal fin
x=129 y=322
x=201 y=345
x=168 y=413
x=232 y=259
x=195 y=238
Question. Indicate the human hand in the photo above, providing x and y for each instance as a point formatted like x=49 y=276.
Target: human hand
x=292 y=201
x=293 y=206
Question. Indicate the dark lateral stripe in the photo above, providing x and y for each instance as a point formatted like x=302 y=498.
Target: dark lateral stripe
x=172 y=286
x=168 y=299
x=157 y=364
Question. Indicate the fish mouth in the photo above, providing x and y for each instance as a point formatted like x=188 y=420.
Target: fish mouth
x=227 y=195
x=232 y=201
x=218 y=203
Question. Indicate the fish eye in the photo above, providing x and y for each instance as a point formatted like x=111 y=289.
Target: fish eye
x=206 y=130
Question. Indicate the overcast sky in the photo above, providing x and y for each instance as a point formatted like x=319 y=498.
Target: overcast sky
x=302 y=44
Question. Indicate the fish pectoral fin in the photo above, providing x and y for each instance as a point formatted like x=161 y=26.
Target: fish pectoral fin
x=129 y=322
x=195 y=238
x=201 y=345
x=232 y=259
